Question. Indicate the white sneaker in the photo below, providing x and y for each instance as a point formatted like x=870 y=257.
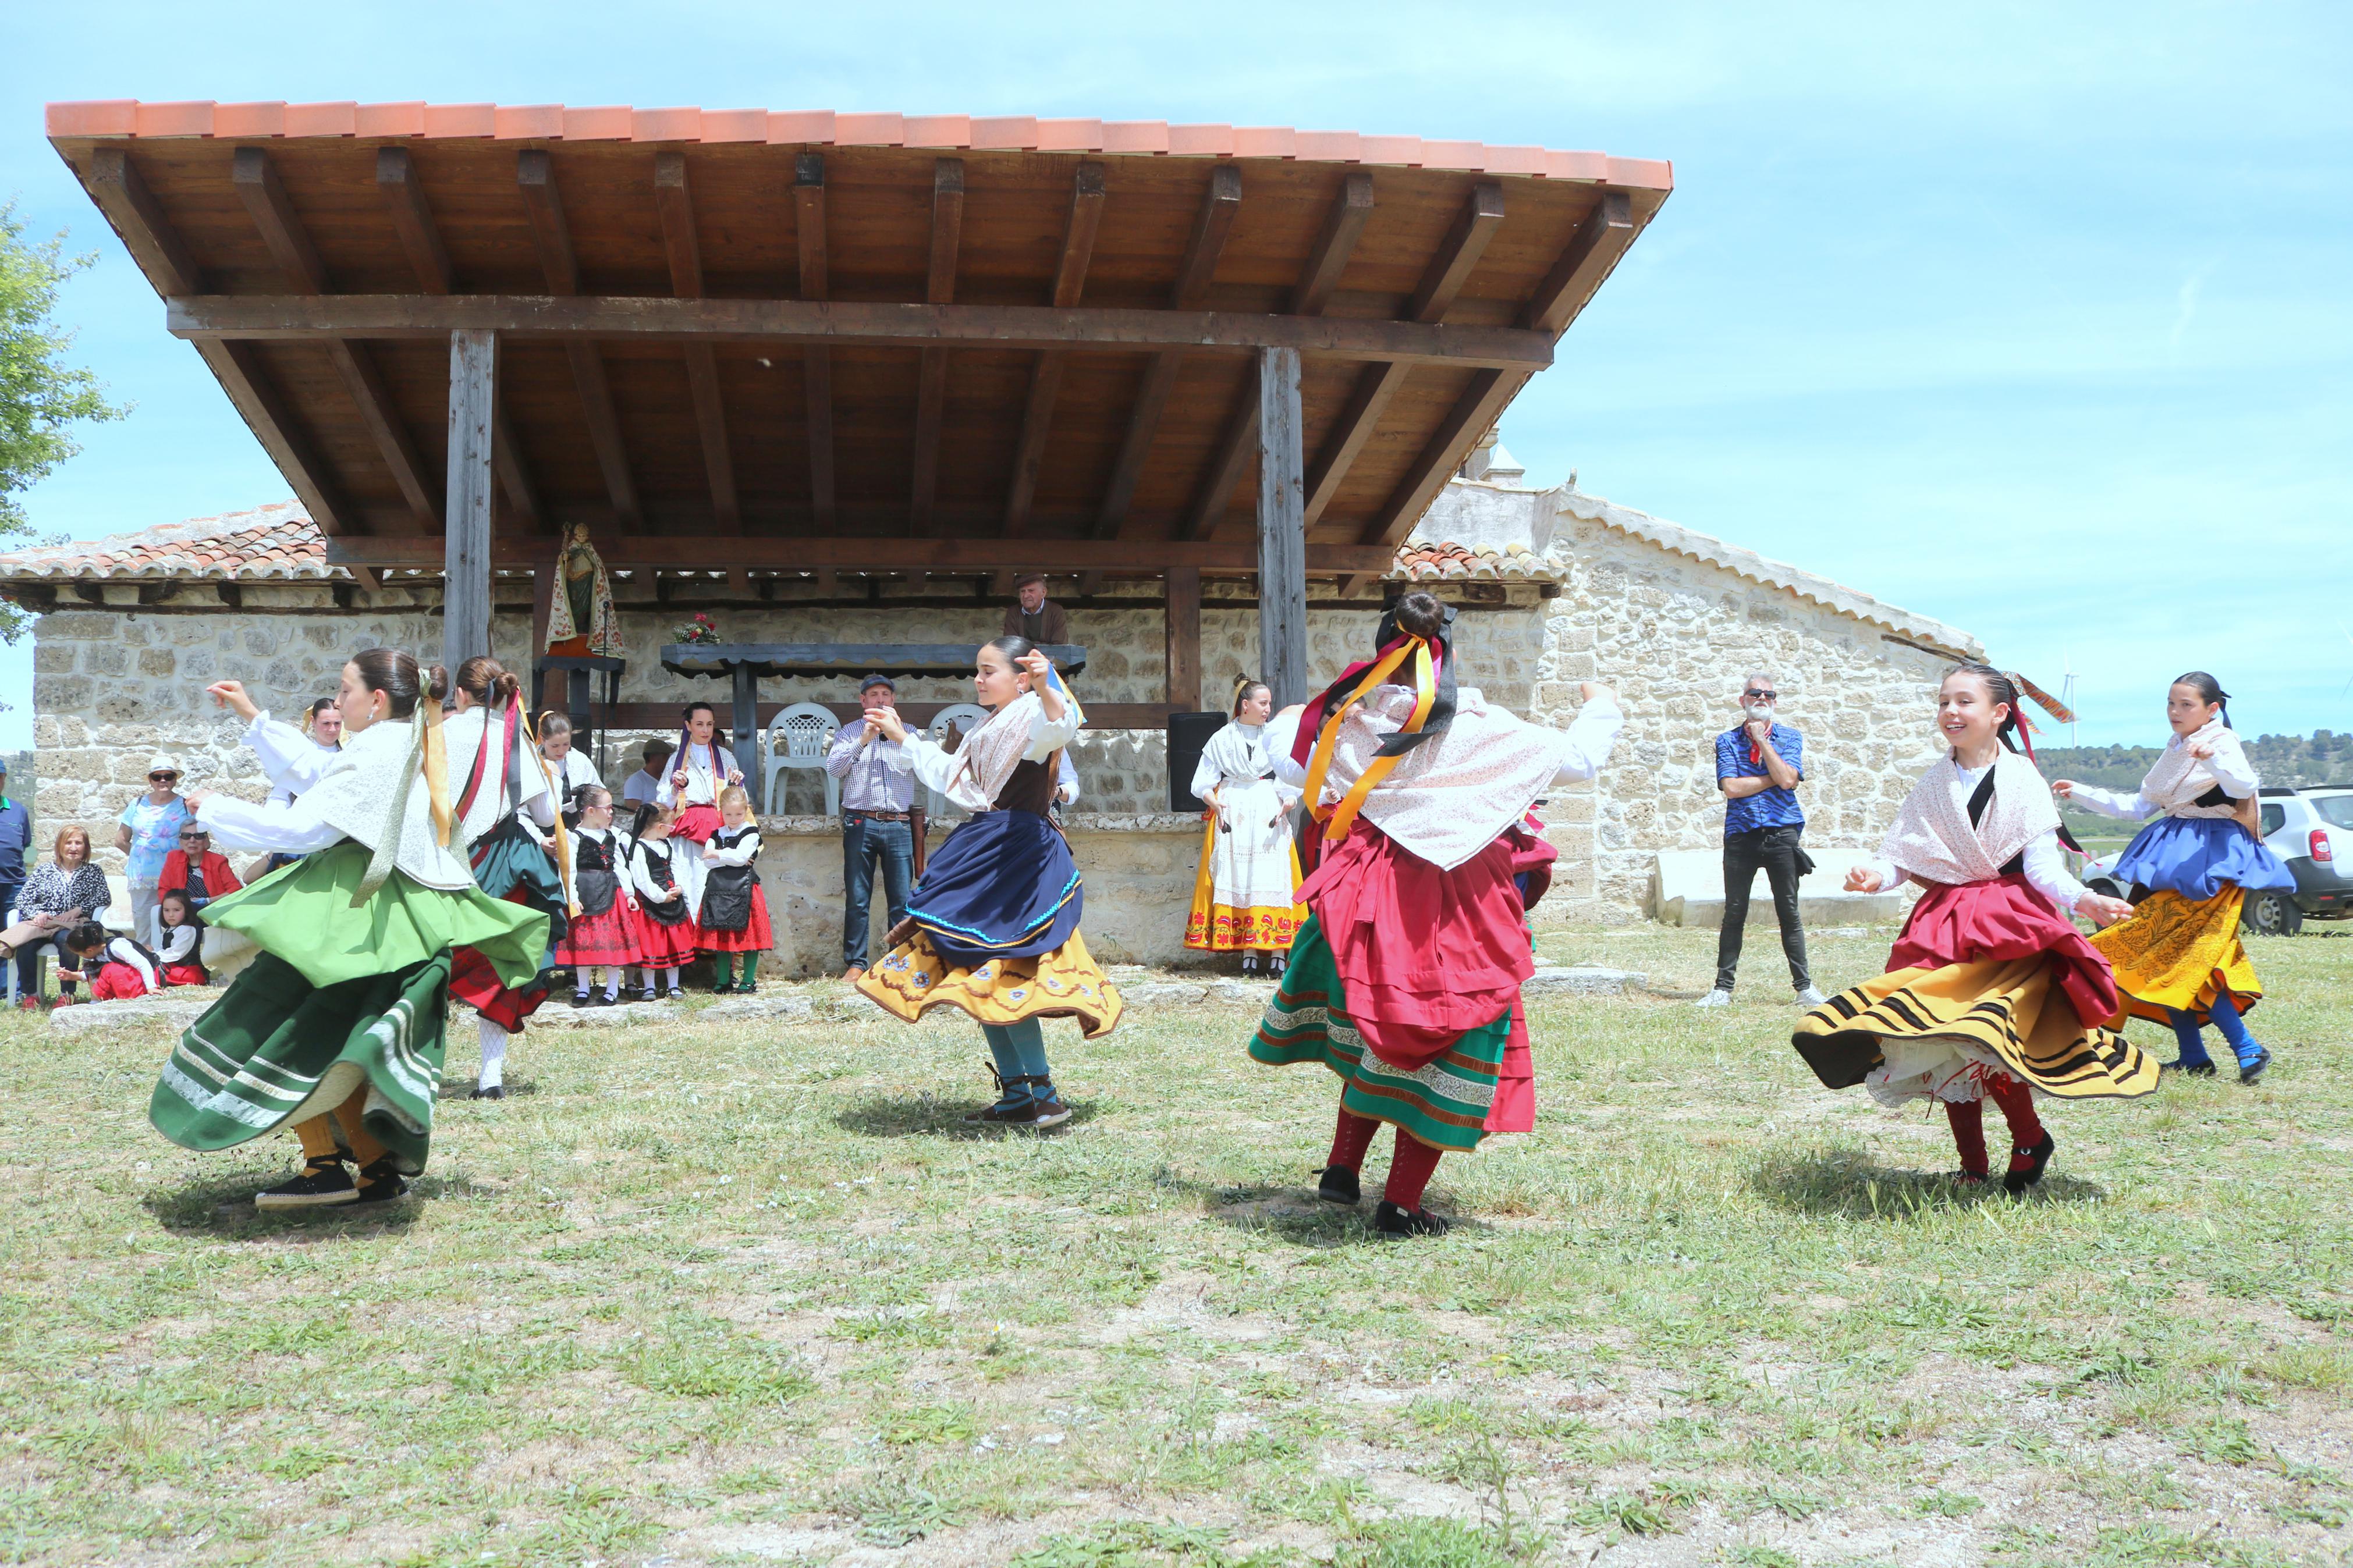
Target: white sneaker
x=1718 y=998
x=1811 y=996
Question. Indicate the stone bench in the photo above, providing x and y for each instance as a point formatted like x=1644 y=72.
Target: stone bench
x=1687 y=889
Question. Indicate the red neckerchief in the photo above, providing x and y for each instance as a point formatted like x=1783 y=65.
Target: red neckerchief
x=1756 y=751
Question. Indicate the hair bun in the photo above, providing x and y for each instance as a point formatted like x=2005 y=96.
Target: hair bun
x=1419 y=614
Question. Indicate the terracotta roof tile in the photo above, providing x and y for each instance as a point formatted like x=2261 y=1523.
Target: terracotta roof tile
x=619 y=122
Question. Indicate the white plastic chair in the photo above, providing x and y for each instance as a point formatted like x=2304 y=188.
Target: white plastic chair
x=956 y=720
x=797 y=738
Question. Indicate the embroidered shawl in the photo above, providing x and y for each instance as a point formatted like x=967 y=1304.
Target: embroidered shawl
x=2177 y=779
x=1932 y=838
x=1447 y=799
x=368 y=786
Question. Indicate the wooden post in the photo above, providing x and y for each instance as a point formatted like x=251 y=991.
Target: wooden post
x=1184 y=613
x=746 y=724
x=466 y=548
x=1281 y=529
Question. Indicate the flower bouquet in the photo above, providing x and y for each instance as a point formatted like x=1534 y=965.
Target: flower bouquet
x=698 y=630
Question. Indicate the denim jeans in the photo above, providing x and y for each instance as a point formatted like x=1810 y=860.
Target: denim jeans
x=1776 y=851
x=864 y=842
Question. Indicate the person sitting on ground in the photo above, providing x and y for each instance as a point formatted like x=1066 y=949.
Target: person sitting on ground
x=180 y=956
x=197 y=870
x=640 y=788
x=116 y=967
x=57 y=898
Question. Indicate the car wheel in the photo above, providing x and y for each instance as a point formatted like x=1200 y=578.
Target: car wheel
x=2270 y=914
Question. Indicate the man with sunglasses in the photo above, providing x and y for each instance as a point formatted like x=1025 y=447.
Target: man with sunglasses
x=1758 y=766
x=147 y=833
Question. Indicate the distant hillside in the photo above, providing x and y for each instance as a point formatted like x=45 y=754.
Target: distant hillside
x=2321 y=757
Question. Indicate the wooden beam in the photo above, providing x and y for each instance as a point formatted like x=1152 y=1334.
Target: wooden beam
x=514 y=474
x=412 y=219
x=254 y=179
x=1458 y=254
x=967 y=554
x=1095 y=328
x=1182 y=615
x=154 y=243
x=467 y=549
x=675 y=204
x=816 y=360
x=932 y=376
x=1214 y=220
x=1046 y=375
x=1479 y=406
x=1584 y=264
x=1343 y=227
x=550 y=236
x=1281 y=530
x=1238 y=445
x=1359 y=417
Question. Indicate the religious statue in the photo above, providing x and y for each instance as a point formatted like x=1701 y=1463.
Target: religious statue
x=580 y=617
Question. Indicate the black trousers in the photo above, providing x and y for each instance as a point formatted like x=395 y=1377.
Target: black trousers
x=1776 y=851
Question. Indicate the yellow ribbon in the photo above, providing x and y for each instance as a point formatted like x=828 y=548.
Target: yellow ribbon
x=1337 y=820
x=436 y=768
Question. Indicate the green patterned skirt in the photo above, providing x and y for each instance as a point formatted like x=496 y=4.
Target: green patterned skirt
x=1444 y=1102
x=338 y=997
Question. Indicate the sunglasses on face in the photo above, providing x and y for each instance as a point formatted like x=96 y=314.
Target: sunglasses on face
x=1763 y=696
x=190 y=837
x=163 y=778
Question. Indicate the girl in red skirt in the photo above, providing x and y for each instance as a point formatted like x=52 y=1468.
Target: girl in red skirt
x=182 y=960
x=665 y=935
x=733 y=917
x=115 y=966
x=604 y=933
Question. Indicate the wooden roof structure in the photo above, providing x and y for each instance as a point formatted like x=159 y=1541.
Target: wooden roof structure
x=773 y=341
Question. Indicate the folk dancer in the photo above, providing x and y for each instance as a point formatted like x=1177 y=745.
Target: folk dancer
x=604 y=933
x=666 y=933
x=1246 y=895
x=1405 y=980
x=993 y=925
x=2179 y=959
x=1990 y=991
x=343 y=1008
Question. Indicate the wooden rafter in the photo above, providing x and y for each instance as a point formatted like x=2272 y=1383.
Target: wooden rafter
x=967 y=554
x=932 y=376
x=1220 y=202
x=153 y=243
x=1481 y=404
x=675 y=203
x=552 y=238
x=1586 y=260
x=1441 y=281
x=1351 y=210
x=1046 y=375
x=817 y=359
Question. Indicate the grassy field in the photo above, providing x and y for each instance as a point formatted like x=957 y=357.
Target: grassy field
x=730 y=1294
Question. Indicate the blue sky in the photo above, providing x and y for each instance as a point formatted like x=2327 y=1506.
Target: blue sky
x=2034 y=319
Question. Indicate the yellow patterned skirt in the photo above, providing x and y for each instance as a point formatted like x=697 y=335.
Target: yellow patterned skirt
x=1215 y=927
x=2173 y=953
x=1932 y=1034
x=1065 y=982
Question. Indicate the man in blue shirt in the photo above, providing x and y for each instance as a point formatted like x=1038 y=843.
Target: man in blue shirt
x=1757 y=767
x=15 y=834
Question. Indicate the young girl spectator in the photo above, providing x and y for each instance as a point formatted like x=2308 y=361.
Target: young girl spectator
x=605 y=934
x=666 y=937
x=181 y=954
x=733 y=917
x=116 y=967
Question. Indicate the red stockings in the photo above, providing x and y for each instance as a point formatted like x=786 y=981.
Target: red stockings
x=1413 y=1161
x=1351 y=1139
x=1967 y=1116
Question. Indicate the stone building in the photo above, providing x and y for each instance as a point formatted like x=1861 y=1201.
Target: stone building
x=1555 y=586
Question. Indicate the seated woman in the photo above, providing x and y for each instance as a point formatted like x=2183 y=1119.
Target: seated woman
x=54 y=898
x=197 y=870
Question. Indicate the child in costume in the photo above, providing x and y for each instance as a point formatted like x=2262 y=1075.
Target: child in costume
x=701 y=769
x=503 y=805
x=993 y=925
x=343 y=1009
x=1246 y=895
x=116 y=967
x=181 y=960
x=605 y=934
x=665 y=935
x=1405 y=981
x=734 y=915
x=1990 y=991
x=2179 y=958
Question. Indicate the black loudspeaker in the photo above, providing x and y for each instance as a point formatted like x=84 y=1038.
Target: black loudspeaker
x=1187 y=733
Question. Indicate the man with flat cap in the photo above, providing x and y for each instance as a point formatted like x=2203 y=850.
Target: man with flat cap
x=1036 y=617
x=878 y=820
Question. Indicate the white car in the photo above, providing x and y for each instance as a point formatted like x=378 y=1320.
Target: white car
x=2310 y=829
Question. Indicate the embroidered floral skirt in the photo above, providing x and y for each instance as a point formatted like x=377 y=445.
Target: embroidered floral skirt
x=2179 y=954
x=914 y=977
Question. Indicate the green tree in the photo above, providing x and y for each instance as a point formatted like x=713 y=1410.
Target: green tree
x=41 y=396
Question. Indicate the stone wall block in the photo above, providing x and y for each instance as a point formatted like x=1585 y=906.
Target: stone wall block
x=53 y=658
x=158 y=662
x=108 y=658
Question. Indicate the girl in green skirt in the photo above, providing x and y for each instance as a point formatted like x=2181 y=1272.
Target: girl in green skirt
x=342 y=1010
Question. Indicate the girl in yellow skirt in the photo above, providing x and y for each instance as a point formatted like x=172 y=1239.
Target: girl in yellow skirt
x=1990 y=992
x=1247 y=895
x=993 y=926
x=2179 y=959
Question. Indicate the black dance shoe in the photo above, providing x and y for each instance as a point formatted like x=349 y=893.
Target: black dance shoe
x=647 y=993
x=2249 y=1072
x=2187 y=1069
x=323 y=1182
x=726 y=988
x=1392 y=1221
x=380 y=1182
x=1338 y=1185
x=2018 y=1181
x=580 y=999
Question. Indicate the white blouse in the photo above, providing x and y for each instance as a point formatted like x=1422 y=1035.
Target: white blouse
x=934 y=767
x=641 y=875
x=747 y=849
x=2232 y=771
